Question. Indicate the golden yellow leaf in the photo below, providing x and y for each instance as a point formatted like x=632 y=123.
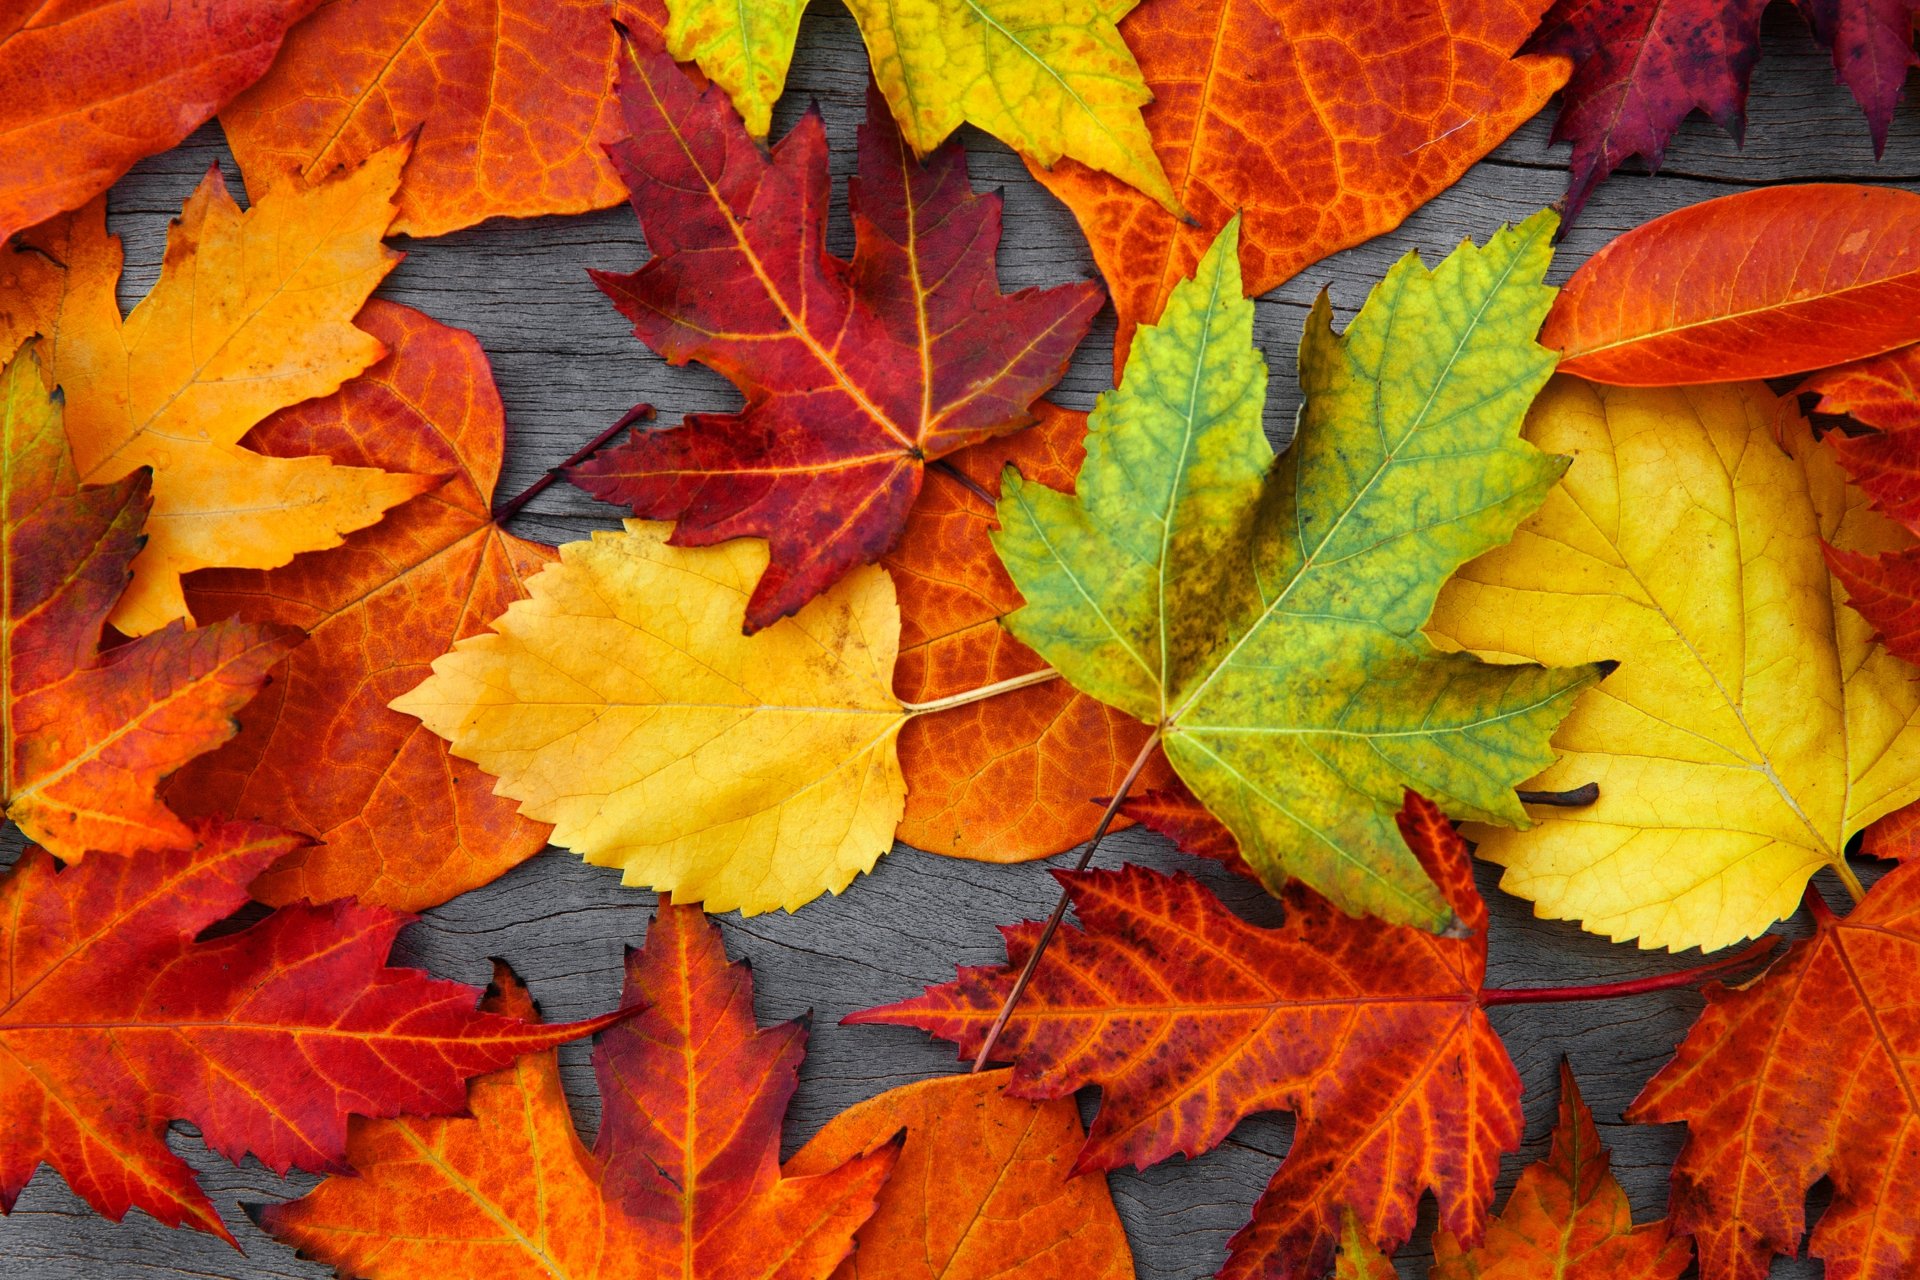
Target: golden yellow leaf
x=252 y=312
x=622 y=704
x=1754 y=724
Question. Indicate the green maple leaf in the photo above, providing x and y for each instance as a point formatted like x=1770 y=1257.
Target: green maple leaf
x=1265 y=612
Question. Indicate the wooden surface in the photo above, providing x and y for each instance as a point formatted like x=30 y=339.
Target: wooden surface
x=567 y=366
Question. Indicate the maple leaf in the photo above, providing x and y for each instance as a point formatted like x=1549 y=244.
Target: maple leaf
x=88 y=736
x=1640 y=68
x=1190 y=1020
x=117 y=1020
x=89 y=87
x=399 y=823
x=1895 y=837
x=512 y=103
x=1177 y=814
x=684 y=1180
x=1052 y=79
x=1264 y=614
x=1320 y=125
x=251 y=313
x=1759 y=284
x=1359 y=1258
x=1008 y=778
x=856 y=373
x=1753 y=724
x=622 y=704
x=1811 y=1070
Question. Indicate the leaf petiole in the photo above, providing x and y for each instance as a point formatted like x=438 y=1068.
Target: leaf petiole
x=984 y=692
x=512 y=506
x=1633 y=986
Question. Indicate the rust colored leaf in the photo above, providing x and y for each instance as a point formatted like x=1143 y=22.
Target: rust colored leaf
x=981 y=1190
x=1567 y=1218
x=855 y=373
x=1177 y=814
x=512 y=100
x=1190 y=1019
x=1812 y=1070
x=117 y=1021
x=1008 y=778
x=1760 y=284
x=684 y=1181
x=1882 y=392
x=87 y=87
x=1323 y=125
x=88 y=736
x=1895 y=837
x=399 y=821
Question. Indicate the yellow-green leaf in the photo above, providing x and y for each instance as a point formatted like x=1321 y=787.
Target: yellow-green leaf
x=1050 y=78
x=622 y=704
x=1754 y=724
x=1266 y=614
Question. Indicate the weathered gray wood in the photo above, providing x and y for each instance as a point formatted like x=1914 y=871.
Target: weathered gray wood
x=567 y=366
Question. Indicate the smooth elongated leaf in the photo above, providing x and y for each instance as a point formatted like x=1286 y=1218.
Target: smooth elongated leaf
x=683 y=1182
x=1265 y=614
x=622 y=704
x=86 y=737
x=90 y=86
x=397 y=822
x=1754 y=724
x=1809 y=1071
x=1759 y=284
x=855 y=373
x=1190 y=1019
x=1320 y=125
x=117 y=1021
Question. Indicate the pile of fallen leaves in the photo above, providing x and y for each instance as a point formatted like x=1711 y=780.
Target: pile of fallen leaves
x=1616 y=586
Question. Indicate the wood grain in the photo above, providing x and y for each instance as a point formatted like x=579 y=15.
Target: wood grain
x=567 y=367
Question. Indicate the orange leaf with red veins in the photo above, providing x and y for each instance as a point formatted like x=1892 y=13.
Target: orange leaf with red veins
x=856 y=374
x=1759 y=284
x=401 y=823
x=1895 y=837
x=1810 y=1071
x=87 y=87
x=513 y=101
x=1189 y=1019
x=86 y=737
x=1567 y=1218
x=982 y=1189
x=117 y=1020
x=684 y=1180
x=1011 y=777
x=1323 y=125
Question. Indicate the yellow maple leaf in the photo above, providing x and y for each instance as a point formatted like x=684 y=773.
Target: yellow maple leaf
x=1050 y=78
x=1754 y=724
x=252 y=312
x=622 y=704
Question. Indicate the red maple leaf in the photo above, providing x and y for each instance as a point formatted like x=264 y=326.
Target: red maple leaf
x=1191 y=1019
x=856 y=373
x=117 y=1020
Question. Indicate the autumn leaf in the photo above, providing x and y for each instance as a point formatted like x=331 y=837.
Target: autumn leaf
x=982 y=1189
x=1359 y=1258
x=685 y=1179
x=251 y=313
x=1264 y=615
x=397 y=822
x=513 y=103
x=856 y=374
x=1190 y=1020
x=1754 y=724
x=1174 y=812
x=1008 y=778
x=1759 y=284
x=1050 y=78
x=89 y=87
x=88 y=736
x=1322 y=126
x=117 y=1021
x=622 y=704
x=1895 y=837
x=1807 y=1072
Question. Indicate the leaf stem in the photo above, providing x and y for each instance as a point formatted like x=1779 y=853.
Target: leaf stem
x=1848 y=878
x=514 y=505
x=985 y=691
x=1060 y=907
x=964 y=480
x=1633 y=986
